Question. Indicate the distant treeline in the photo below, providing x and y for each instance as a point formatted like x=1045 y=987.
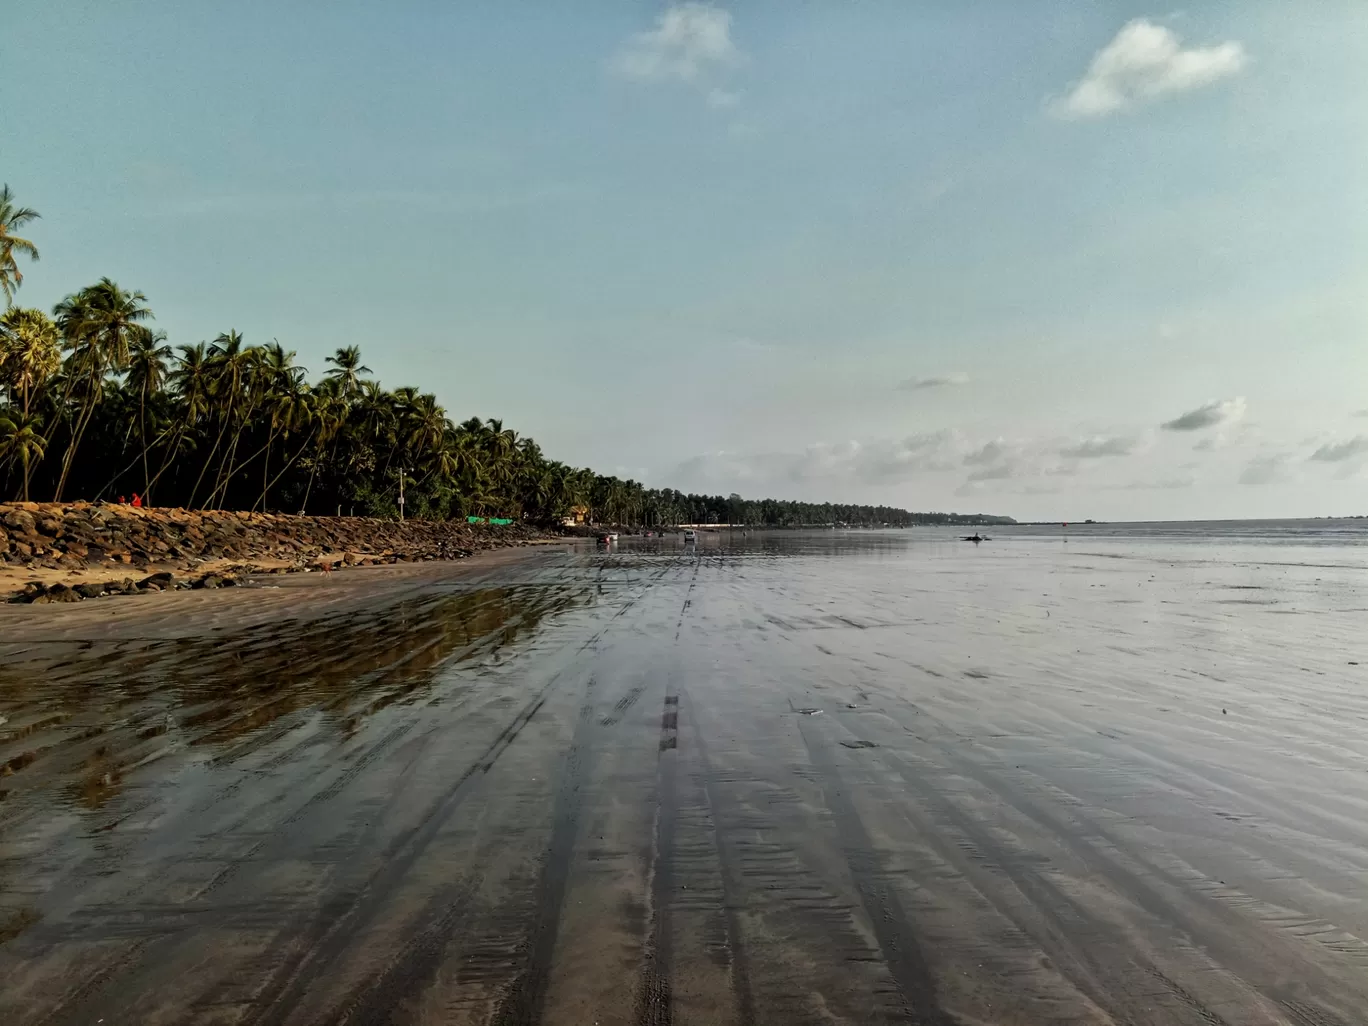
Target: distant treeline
x=94 y=404
x=733 y=509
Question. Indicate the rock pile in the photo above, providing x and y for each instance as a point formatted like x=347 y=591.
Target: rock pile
x=82 y=536
x=36 y=593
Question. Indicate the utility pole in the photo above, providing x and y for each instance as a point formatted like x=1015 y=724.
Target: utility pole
x=401 y=495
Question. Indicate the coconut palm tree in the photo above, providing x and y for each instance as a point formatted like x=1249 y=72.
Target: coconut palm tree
x=97 y=324
x=22 y=442
x=147 y=363
x=30 y=353
x=347 y=369
x=328 y=410
x=224 y=368
x=13 y=218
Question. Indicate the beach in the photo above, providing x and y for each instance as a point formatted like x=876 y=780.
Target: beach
x=1108 y=775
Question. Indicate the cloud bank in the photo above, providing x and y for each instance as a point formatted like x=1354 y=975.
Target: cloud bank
x=1220 y=411
x=1143 y=63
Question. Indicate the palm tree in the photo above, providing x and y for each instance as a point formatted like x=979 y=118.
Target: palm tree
x=328 y=410
x=98 y=324
x=21 y=442
x=30 y=353
x=147 y=359
x=292 y=408
x=347 y=369
x=224 y=368
x=189 y=382
x=283 y=398
x=12 y=218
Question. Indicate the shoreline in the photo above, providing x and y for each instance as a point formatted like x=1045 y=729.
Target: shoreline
x=37 y=635
x=66 y=553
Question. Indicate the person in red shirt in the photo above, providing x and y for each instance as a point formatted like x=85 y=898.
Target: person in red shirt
x=137 y=501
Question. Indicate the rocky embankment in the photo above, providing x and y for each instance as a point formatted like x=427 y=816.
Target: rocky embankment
x=209 y=549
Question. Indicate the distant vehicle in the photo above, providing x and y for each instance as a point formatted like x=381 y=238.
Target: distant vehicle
x=608 y=537
x=690 y=536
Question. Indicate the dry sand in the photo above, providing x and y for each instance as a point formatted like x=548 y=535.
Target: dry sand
x=804 y=780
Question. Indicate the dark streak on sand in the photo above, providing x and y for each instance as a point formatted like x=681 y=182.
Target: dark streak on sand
x=892 y=928
x=526 y=997
x=655 y=972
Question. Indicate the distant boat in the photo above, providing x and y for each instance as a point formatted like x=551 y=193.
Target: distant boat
x=976 y=538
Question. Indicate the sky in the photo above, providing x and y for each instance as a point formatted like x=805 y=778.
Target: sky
x=1050 y=260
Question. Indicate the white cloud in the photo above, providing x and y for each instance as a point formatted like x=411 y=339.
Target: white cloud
x=1336 y=452
x=938 y=381
x=722 y=98
x=1219 y=411
x=689 y=41
x=1099 y=446
x=1144 y=62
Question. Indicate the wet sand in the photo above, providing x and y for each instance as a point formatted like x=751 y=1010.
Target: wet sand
x=785 y=779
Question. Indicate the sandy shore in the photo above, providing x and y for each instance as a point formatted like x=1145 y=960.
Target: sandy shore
x=848 y=780
x=266 y=595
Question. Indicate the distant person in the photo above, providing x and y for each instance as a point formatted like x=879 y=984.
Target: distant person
x=137 y=501
x=123 y=500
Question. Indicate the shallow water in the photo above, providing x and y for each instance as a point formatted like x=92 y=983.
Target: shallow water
x=779 y=778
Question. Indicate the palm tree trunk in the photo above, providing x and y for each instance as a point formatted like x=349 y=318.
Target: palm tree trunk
x=233 y=470
x=69 y=457
x=205 y=469
x=221 y=478
x=220 y=491
x=265 y=478
x=142 y=437
x=170 y=452
x=129 y=466
x=286 y=469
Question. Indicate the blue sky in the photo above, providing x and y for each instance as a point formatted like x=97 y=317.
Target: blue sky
x=940 y=255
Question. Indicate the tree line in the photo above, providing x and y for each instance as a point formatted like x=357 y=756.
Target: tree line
x=95 y=404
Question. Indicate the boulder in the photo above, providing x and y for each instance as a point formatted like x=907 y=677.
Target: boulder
x=58 y=593
x=30 y=592
x=20 y=521
x=89 y=589
x=161 y=581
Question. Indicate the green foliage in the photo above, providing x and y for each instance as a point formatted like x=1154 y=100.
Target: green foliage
x=12 y=218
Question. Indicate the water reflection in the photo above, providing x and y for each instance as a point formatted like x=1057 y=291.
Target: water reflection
x=77 y=725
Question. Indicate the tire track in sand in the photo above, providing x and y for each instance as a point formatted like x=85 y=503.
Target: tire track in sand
x=883 y=908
